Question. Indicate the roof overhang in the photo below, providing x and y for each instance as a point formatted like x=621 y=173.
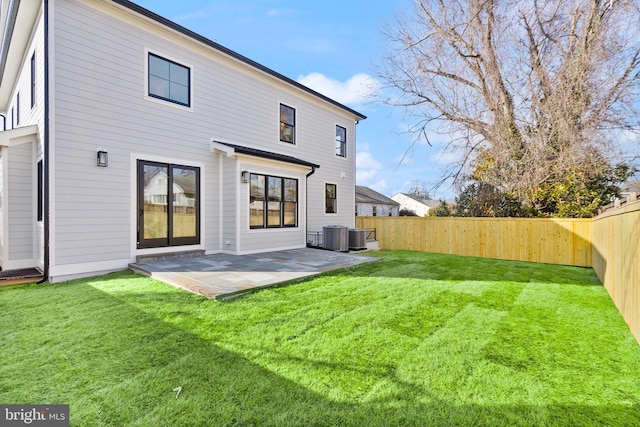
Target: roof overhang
x=17 y=136
x=232 y=54
x=17 y=21
x=232 y=150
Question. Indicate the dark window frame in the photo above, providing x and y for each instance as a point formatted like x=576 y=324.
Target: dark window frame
x=286 y=125
x=40 y=190
x=33 y=80
x=341 y=145
x=168 y=241
x=18 y=109
x=282 y=199
x=164 y=98
x=327 y=198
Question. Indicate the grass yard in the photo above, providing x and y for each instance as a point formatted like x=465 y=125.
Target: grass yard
x=414 y=339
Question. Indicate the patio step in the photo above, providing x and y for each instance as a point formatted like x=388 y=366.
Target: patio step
x=20 y=276
x=168 y=256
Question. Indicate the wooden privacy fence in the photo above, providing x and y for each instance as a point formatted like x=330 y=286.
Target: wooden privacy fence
x=616 y=260
x=609 y=243
x=553 y=241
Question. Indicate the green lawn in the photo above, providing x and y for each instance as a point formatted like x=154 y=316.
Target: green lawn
x=414 y=339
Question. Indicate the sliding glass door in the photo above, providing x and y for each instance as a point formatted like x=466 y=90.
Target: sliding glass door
x=168 y=205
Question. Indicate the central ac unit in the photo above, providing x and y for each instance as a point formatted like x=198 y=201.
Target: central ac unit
x=357 y=239
x=335 y=238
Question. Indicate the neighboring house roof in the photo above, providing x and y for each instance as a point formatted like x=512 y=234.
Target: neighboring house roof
x=367 y=195
x=268 y=155
x=427 y=202
x=164 y=21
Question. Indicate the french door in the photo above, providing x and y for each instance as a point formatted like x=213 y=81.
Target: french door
x=168 y=205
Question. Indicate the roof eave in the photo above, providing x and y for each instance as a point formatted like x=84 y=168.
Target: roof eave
x=195 y=36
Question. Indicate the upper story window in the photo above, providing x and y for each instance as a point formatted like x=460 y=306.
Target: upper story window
x=341 y=141
x=18 y=109
x=169 y=80
x=287 y=124
x=33 y=80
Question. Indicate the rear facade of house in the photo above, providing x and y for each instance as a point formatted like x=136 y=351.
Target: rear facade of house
x=127 y=135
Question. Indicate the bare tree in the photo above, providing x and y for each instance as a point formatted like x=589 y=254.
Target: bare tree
x=529 y=90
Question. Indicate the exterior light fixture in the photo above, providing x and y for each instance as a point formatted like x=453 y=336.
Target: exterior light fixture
x=245 y=177
x=102 y=159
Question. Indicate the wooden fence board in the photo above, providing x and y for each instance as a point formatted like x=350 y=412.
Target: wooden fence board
x=616 y=260
x=553 y=241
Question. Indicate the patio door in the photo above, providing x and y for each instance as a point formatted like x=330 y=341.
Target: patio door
x=168 y=205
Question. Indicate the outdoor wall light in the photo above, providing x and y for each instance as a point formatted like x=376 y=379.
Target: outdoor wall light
x=245 y=177
x=103 y=159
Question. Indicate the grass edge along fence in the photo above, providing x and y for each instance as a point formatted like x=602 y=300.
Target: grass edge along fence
x=616 y=260
x=609 y=243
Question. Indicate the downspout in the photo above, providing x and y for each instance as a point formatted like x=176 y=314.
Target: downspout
x=12 y=13
x=45 y=148
x=306 y=203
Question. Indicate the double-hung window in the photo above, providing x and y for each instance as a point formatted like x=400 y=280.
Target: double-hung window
x=287 y=124
x=330 y=196
x=273 y=202
x=341 y=141
x=169 y=80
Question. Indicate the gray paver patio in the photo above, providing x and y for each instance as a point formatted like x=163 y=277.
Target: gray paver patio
x=219 y=275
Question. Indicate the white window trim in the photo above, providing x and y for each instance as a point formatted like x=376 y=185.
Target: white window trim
x=133 y=200
x=159 y=101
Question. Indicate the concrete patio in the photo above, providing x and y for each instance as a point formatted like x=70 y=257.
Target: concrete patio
x=219 y=275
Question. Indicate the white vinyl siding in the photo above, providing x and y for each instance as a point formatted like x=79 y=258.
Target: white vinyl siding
x=20 y=203
x=23 y=238
x=99 y=69
x=229 y=205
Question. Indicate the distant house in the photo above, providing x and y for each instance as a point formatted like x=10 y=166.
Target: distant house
x=415 y=204
x=372 y=203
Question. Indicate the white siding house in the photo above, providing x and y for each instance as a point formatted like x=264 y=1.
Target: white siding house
x=371 y=203
x=204 y=149
x=415 y=204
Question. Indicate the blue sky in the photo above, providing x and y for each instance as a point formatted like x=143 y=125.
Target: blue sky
x=331 y=46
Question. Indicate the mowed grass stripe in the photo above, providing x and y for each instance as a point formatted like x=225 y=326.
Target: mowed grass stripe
x=413 y=339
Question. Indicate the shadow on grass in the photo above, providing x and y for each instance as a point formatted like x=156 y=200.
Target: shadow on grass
x=117 y=364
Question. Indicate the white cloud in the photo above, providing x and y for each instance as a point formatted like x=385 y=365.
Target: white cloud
x=380 y=186
x=356 y=90
x=366 y=168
